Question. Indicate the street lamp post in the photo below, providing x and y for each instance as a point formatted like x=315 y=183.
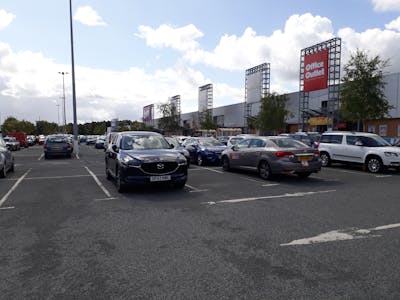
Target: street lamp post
x=58 y=114
x=75 y=126
x=64 y=111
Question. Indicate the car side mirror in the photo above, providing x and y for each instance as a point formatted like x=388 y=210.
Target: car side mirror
x=171 y=146
x=115 y=148
x=235 y=148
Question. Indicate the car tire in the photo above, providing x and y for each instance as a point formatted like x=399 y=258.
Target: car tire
x=12 y=167
x=199 y=160
x=304 y=174
x=46 y=156
x=264 y=170
x=119 y=184
x=325 y=159
x=225 y=164
x=374 y=164
x=3 y=172
x=108 y=175
x=180 y=185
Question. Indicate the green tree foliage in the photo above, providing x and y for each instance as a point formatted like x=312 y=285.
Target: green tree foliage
x=362 y=93
x=44 y=127
x=11 y=124
x=273 y=114
x=208 y=122
x=170 y=118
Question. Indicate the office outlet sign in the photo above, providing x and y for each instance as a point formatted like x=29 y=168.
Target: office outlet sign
x=316 y=71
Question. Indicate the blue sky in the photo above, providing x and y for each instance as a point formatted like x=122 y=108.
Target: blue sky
x=129 y=54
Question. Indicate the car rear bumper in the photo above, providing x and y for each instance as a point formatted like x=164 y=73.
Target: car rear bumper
x=295 y=167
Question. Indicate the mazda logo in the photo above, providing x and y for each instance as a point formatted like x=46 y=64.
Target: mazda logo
x=160 y=166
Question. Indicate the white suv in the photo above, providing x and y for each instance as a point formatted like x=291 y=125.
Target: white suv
x=358 y=147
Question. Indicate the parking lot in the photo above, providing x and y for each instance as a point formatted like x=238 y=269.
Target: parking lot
x=66 y=233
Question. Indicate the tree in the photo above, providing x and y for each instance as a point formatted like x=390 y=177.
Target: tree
x=170 y=118
x=362 y=93
x=12 y=124
x=273 y=114
x=207 y=121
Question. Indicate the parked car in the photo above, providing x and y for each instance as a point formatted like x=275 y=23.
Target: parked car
x=12 y=143
x=272 y=155
x=41 y=139
x=177 y=146
x=57 y=145
x=100 y=141
x=204 y=150
x=142 y=157
x=368 y=149
x=21 y=138
x=224 y=139
x=6 y=159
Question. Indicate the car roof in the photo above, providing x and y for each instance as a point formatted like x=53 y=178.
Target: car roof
x=144 y=133
x=349 y=133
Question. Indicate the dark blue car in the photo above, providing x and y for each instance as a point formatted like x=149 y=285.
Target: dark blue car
x=204 y=150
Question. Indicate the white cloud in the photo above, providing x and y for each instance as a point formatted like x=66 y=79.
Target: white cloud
x=5 y=18
x=182 y=38
x=88 y=16
x=395 y=24
x=386 y=5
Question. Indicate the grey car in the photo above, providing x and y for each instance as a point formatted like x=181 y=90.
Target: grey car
x=272 y=155
x=6 y=159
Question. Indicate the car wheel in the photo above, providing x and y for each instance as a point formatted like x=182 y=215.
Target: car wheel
x=180 y=185
x=325 y=159
x=374 y=164
x=3 y=172
x=119 y=183
x=199 y=160
x=264 y=170
x=108 y=175
x=225 y=164
x=46 y=156
x=304 y=174
x=12 y=167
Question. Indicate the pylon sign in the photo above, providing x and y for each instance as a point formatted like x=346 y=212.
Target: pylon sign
x=316 y=71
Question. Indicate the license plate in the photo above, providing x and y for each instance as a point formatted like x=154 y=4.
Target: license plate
x=304 y=163
x=160 y=178
x=304 y=158
x=56 y=148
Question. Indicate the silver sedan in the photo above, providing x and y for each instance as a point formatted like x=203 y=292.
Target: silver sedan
x=271 y=155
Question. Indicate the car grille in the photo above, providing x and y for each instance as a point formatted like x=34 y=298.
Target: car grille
x=159 y=168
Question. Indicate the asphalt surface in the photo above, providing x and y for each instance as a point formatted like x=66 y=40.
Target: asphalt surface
x=65 y=233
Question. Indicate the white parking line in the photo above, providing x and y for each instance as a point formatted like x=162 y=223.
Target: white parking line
x=8 y=207
x=41 y=156
x=105 y=199
x=194 y=190
x=77 y=156
x=56 y=177
x=341 y=235
x=213 y=170
x=5 y=197
x=99 y=183
x=270 y=184
x=300 y=194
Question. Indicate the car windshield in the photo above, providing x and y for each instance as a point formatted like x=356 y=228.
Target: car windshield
x=173 y=142
x=143 y=142
x=374 y=141
x=56 y=139
x=288 y=143
x=210 y=142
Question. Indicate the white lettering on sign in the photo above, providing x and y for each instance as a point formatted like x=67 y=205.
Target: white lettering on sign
x=315 y=69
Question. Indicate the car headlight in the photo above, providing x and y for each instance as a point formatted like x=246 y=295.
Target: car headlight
x=181 y=160
x=391 y=154
x=131 y=161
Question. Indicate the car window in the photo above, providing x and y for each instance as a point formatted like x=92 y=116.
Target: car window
x=244 y=144
x=2 y=143
x=143 y=142
x=210 y=142
x=373 y=141
x=331 y=138
x=288 y=143
x=235 y=141
x=257 y=143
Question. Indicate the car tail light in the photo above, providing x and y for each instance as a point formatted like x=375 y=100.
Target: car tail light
x=69 y=146
x=283 y=153
x=316 y=152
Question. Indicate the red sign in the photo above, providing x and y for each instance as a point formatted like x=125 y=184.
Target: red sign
x=316 y=71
